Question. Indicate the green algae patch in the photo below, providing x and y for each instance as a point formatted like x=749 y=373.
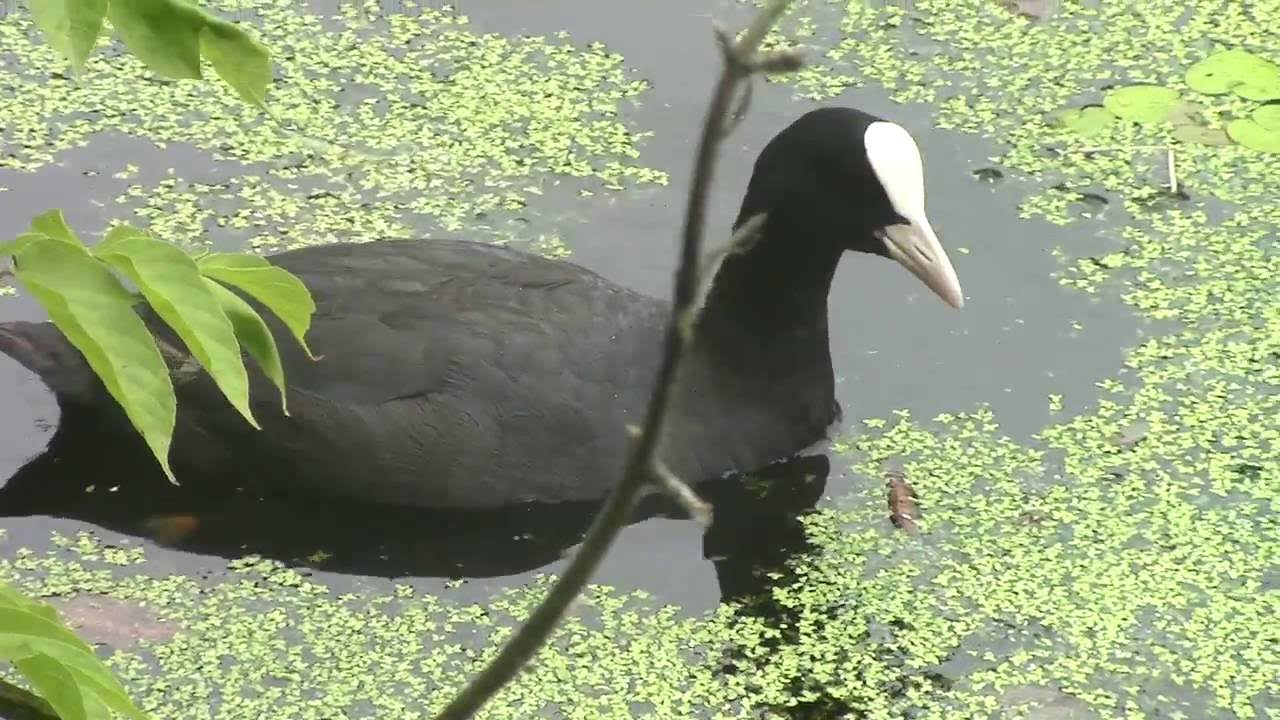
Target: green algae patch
x=1126 y=558
x=1122 y=564
x=392 y=125
x=1005 y=77
x=267 y=641
x=1129 y=573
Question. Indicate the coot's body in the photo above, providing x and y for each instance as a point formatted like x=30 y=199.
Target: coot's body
x=456 y=374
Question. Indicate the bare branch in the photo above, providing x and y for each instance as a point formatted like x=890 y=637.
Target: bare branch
x=664 y=480
x=526 y=641
x=697 y=508
x=739 y=112
x=743 y=238
x=783 y=61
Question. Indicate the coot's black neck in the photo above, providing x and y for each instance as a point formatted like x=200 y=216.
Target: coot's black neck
x=772 y=297
x=761 y=356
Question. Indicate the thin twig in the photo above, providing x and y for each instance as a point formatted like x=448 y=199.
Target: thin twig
x=739 y=112
x=743 y=238
x=698 y=508
x=1168 y=149
x=1114 y=148
x=640 y=469
x=666 y=481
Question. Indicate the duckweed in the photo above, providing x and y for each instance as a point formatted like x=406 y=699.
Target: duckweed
x=1123 y=564
x=393 y=126
x=1127 y=559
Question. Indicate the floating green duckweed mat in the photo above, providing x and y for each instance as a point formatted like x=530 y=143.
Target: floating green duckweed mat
x=398 y=122
x=1124 y=564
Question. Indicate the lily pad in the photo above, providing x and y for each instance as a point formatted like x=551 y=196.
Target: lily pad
x=1146 y=104
x=1086 y=120
x=1239 y=71
x=1201 y=135
x=1191 y=126
x=1185 y=112
x=1253 y=135
x=1268 y=116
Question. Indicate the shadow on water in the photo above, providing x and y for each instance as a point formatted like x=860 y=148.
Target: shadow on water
x=756 y=526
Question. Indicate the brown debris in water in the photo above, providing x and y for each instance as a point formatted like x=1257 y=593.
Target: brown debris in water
x=103 y=620
x=904 y=511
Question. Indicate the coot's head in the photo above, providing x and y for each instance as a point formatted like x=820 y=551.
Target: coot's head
x=846 y=179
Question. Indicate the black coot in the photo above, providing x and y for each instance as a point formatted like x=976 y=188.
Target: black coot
x=458 y=374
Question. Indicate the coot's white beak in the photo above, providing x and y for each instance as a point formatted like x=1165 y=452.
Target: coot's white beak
x=916 y=247
x=895 y=159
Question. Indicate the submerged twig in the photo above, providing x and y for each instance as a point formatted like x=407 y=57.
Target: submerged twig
x=642 y=467
x=1115 y=148
x=1168 y=150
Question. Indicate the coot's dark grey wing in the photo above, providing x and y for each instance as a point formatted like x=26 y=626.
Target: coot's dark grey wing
x=447 y=368
x=402 y=319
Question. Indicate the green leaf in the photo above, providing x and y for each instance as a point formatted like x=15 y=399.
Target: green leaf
x=105 y=690
x=52 y=223
x=274 y=287
x=53 y=682
x=171 y=36
x=170 y=281
x=164 y=34
x=14 y=246
x=1087 y=120
x=1239 y=71
x=1254 y=135
x=1268 y=116
x=1146 y=104
x=71 y=27
x=243 y=62
x=11 y=598
x=24 y=633
x=29 y=634
x=88 y=304
x=254 y=336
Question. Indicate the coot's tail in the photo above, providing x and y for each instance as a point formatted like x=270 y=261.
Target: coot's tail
x=45 y=351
